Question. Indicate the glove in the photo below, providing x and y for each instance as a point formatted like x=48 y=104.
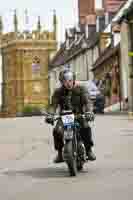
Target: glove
x=49 y=120
x=90 y=116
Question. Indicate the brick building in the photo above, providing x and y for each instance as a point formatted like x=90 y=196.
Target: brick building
x=86 y=8
x=87 y=12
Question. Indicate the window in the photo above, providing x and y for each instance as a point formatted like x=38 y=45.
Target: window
x=36 y=67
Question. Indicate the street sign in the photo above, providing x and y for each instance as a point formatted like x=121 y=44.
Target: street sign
x=130 y=53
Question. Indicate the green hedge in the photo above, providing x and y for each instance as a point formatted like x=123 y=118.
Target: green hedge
x=30 y=110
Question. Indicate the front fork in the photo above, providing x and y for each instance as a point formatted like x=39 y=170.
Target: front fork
x=70 y=153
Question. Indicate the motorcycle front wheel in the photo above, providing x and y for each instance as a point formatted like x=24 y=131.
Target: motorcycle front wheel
x=71 y=158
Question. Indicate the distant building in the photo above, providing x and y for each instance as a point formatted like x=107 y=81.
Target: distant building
x=89 y=15
x=0 y=80
x=85 y=8
x=25 y=58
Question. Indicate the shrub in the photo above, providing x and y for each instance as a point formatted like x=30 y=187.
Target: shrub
x=30 y=110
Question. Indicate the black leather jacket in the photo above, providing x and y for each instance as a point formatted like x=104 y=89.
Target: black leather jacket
x=76 y=99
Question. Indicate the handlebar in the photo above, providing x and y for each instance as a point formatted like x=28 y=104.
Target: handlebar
x=89 y=116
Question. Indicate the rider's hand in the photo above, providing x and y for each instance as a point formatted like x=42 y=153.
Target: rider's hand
x=49 y=120
x=90 y=116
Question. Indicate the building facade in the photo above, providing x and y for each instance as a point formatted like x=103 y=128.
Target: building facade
x=25 y=58
x=115 y=62
x=125 y=20
x=0 y=80
x=107 y=69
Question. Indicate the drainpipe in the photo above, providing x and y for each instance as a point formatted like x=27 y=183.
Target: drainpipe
x=120 y=85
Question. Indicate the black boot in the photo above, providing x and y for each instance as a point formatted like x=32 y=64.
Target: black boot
x=59 y=157
x=90 y=155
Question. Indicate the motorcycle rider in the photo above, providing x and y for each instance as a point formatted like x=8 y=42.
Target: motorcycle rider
x=71 y=96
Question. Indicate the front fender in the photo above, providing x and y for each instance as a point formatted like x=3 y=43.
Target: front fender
x=68 y=150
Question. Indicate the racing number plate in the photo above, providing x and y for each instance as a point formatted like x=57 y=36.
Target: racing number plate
x=68 y=119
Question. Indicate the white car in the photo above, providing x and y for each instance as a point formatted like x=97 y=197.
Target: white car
x=91 y=87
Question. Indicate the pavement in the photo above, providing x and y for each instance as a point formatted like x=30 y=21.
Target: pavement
x=116 y=113
x=27 y=170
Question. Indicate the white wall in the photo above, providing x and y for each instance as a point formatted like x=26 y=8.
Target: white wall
x=82 y=64
x=124 y=58
x=0 y=79
x=117 y=38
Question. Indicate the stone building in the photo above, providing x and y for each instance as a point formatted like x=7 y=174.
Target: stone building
x=25 y=58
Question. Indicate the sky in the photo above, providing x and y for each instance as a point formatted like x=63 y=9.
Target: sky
x=66 y=10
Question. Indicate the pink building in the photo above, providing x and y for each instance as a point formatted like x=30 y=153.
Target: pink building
x=112 y=6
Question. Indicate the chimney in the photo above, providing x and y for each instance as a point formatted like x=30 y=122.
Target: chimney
x=85 y=7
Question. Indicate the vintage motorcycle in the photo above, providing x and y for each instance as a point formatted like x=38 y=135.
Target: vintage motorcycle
x=74 y=153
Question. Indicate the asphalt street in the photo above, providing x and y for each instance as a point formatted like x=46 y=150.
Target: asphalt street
x=27 y=171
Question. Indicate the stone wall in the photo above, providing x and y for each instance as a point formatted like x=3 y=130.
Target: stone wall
x=25 y=70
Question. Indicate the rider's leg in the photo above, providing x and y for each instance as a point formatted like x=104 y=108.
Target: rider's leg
x=58 y=144
x=86 y=135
